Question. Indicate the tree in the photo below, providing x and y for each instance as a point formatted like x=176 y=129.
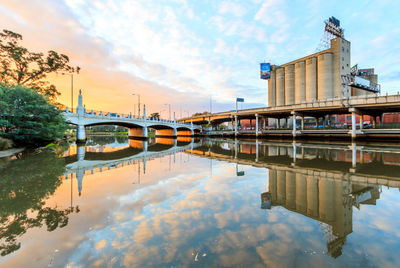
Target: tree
x=28 y=118
x=155 y=116
x=19 y=66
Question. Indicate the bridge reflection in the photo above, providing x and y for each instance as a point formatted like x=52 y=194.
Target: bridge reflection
x=321 y=182
x=87 y=160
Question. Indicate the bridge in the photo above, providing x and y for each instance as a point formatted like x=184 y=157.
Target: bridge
x=138 y=126
x=281 y=120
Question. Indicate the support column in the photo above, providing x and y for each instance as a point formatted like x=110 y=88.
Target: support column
x=236 y=125
x=302 y=122
x=81 y=133
x=324 y=122
x=353 y=125
x=294 y=123
x=381 y=121
x=256 y=125
x=373 y=121
x=264 y=119
x=361 y=121
x=256 y=150
x=316 y=122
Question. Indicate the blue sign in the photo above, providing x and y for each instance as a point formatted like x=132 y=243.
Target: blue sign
x=265 y=70
x=239 y=100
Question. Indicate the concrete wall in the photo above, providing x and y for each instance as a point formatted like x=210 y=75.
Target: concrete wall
x=300 y=82
x=289 y=84
x=280 y=86
x=325 y=76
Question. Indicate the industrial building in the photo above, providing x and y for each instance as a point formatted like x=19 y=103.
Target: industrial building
x=324 y=75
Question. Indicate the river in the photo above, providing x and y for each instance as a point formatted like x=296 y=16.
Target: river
x=116 y=202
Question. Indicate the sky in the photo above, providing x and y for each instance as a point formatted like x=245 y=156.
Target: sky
x=190 y=54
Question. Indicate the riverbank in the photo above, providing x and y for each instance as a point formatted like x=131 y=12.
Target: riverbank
x=10 y=152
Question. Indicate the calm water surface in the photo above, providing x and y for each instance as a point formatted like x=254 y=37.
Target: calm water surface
x=201 y=203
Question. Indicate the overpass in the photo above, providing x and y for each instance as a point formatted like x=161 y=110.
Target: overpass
x=373 y=105
x=138 y=126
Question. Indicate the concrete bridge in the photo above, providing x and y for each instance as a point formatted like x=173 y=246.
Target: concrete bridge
x=138 y=126
x=279 y=120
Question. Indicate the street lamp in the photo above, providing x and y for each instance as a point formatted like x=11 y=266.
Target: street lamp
x=72 y=89
x=138 y=103
x=169 y=109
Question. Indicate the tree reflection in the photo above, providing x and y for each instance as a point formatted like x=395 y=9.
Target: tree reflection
x=25 y=185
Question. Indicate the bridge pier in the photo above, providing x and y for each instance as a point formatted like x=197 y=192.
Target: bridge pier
x=81 y=134
x=167 y=133
x=139 y=133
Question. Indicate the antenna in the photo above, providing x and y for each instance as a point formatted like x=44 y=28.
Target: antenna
x=332 y=30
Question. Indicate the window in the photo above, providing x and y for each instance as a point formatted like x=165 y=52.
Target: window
x=343 y=49
x=342 y=67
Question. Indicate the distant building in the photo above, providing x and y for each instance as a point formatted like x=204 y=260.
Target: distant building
x=318 y=76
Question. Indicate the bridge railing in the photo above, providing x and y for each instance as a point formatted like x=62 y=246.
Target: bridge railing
x=118 y=116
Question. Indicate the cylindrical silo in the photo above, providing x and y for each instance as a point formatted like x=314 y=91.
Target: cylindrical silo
x=272 y=185
x=281 y=187
x=311 y=79
x=280 y=87
x=272 y=88
x=326 y=199
x=290 y=190
x=300 y=82
x=325 y=76
x=289 y=84
x=301 y=193
x=312 y=196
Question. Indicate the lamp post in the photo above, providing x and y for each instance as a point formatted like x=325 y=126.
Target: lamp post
x=72 y=89
x=138 y=102
x=169 y=109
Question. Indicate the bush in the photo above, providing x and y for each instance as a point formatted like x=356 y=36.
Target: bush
x=28 y=118
x=5 y=144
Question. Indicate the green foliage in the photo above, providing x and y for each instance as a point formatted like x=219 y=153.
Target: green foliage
x=155 y=116
x=5 y=144
x=107 y=128
x=25 y=185
x=19 y=66
x=28 y=118
x=203 y=113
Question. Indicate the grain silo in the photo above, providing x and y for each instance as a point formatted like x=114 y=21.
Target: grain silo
x=289 y=84
x=325 y=76
x=300 y=82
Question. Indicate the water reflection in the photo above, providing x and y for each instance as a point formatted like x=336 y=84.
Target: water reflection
x=25 y=185
x=89 y=160
x=322 y=182
x=26 y=182
x=145 y=204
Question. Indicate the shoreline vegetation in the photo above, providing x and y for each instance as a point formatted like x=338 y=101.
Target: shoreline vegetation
x=29 y=116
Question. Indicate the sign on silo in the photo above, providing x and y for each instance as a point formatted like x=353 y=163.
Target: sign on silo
x=265 y=70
